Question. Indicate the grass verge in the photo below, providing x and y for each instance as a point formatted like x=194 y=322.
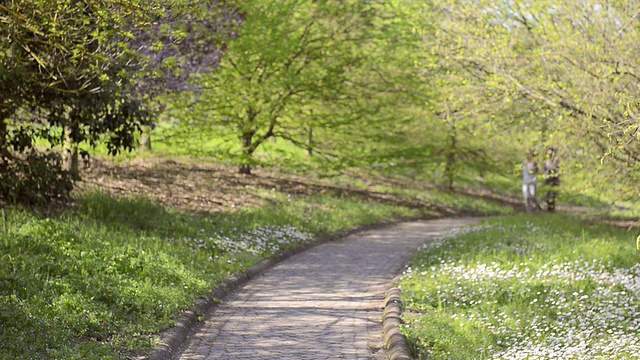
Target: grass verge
x=534 y=287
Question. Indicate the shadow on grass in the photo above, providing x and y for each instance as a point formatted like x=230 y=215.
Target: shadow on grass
x=137 y=214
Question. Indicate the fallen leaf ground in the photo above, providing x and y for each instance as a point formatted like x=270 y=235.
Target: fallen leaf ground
x=199 y=187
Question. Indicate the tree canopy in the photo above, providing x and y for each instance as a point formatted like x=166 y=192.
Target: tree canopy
x=572 y=63
x=84 y=71
x=293 y=66
x=438 y=87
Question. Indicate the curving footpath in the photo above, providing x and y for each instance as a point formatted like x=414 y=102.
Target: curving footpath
x=323 y=303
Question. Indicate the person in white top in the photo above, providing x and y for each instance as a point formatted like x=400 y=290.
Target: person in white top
x=529 y=181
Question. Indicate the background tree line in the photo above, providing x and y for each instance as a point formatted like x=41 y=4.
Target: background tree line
x=444 y=90
x=564 y=72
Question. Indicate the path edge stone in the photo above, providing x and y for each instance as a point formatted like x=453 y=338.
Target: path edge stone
x=394 y=342
x=174 y=339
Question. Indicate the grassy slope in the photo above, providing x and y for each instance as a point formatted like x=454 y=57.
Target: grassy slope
x=102 y=281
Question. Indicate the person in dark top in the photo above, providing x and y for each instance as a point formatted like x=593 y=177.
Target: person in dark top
x=551 y=167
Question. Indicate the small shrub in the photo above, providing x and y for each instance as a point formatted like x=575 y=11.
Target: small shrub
x=34 y=179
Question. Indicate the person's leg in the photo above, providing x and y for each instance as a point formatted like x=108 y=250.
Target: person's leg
x=548 y=195
x=534 y=196
x=551 y=202
x=555 y=183
x=527 y=201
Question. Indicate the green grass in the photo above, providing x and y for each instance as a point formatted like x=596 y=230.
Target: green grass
x=453 y=200
x=101 y=283
x=463 y=202
x=223 y=145
x=536 y=287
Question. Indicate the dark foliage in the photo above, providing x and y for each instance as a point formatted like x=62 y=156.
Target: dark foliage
x=188 y=41
x=36 y=179
x=90 y=72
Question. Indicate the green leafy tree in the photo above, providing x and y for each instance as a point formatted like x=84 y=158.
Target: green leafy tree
x=294 y=69
x=572 y=62
x=449 y=112
x=82 y=71
x=66 y=65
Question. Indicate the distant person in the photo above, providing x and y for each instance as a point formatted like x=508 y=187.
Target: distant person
x=529 y=181
x=551 y=166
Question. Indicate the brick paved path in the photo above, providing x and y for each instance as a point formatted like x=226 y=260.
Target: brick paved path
x=324 y=303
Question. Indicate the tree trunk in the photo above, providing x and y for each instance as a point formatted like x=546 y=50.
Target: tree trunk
x=70 y=153
x=245 y=169
x=310 y=134
x=4 y=152
x=310 y=140
x=145 y=138
x=247 y=152
x=450 y=166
